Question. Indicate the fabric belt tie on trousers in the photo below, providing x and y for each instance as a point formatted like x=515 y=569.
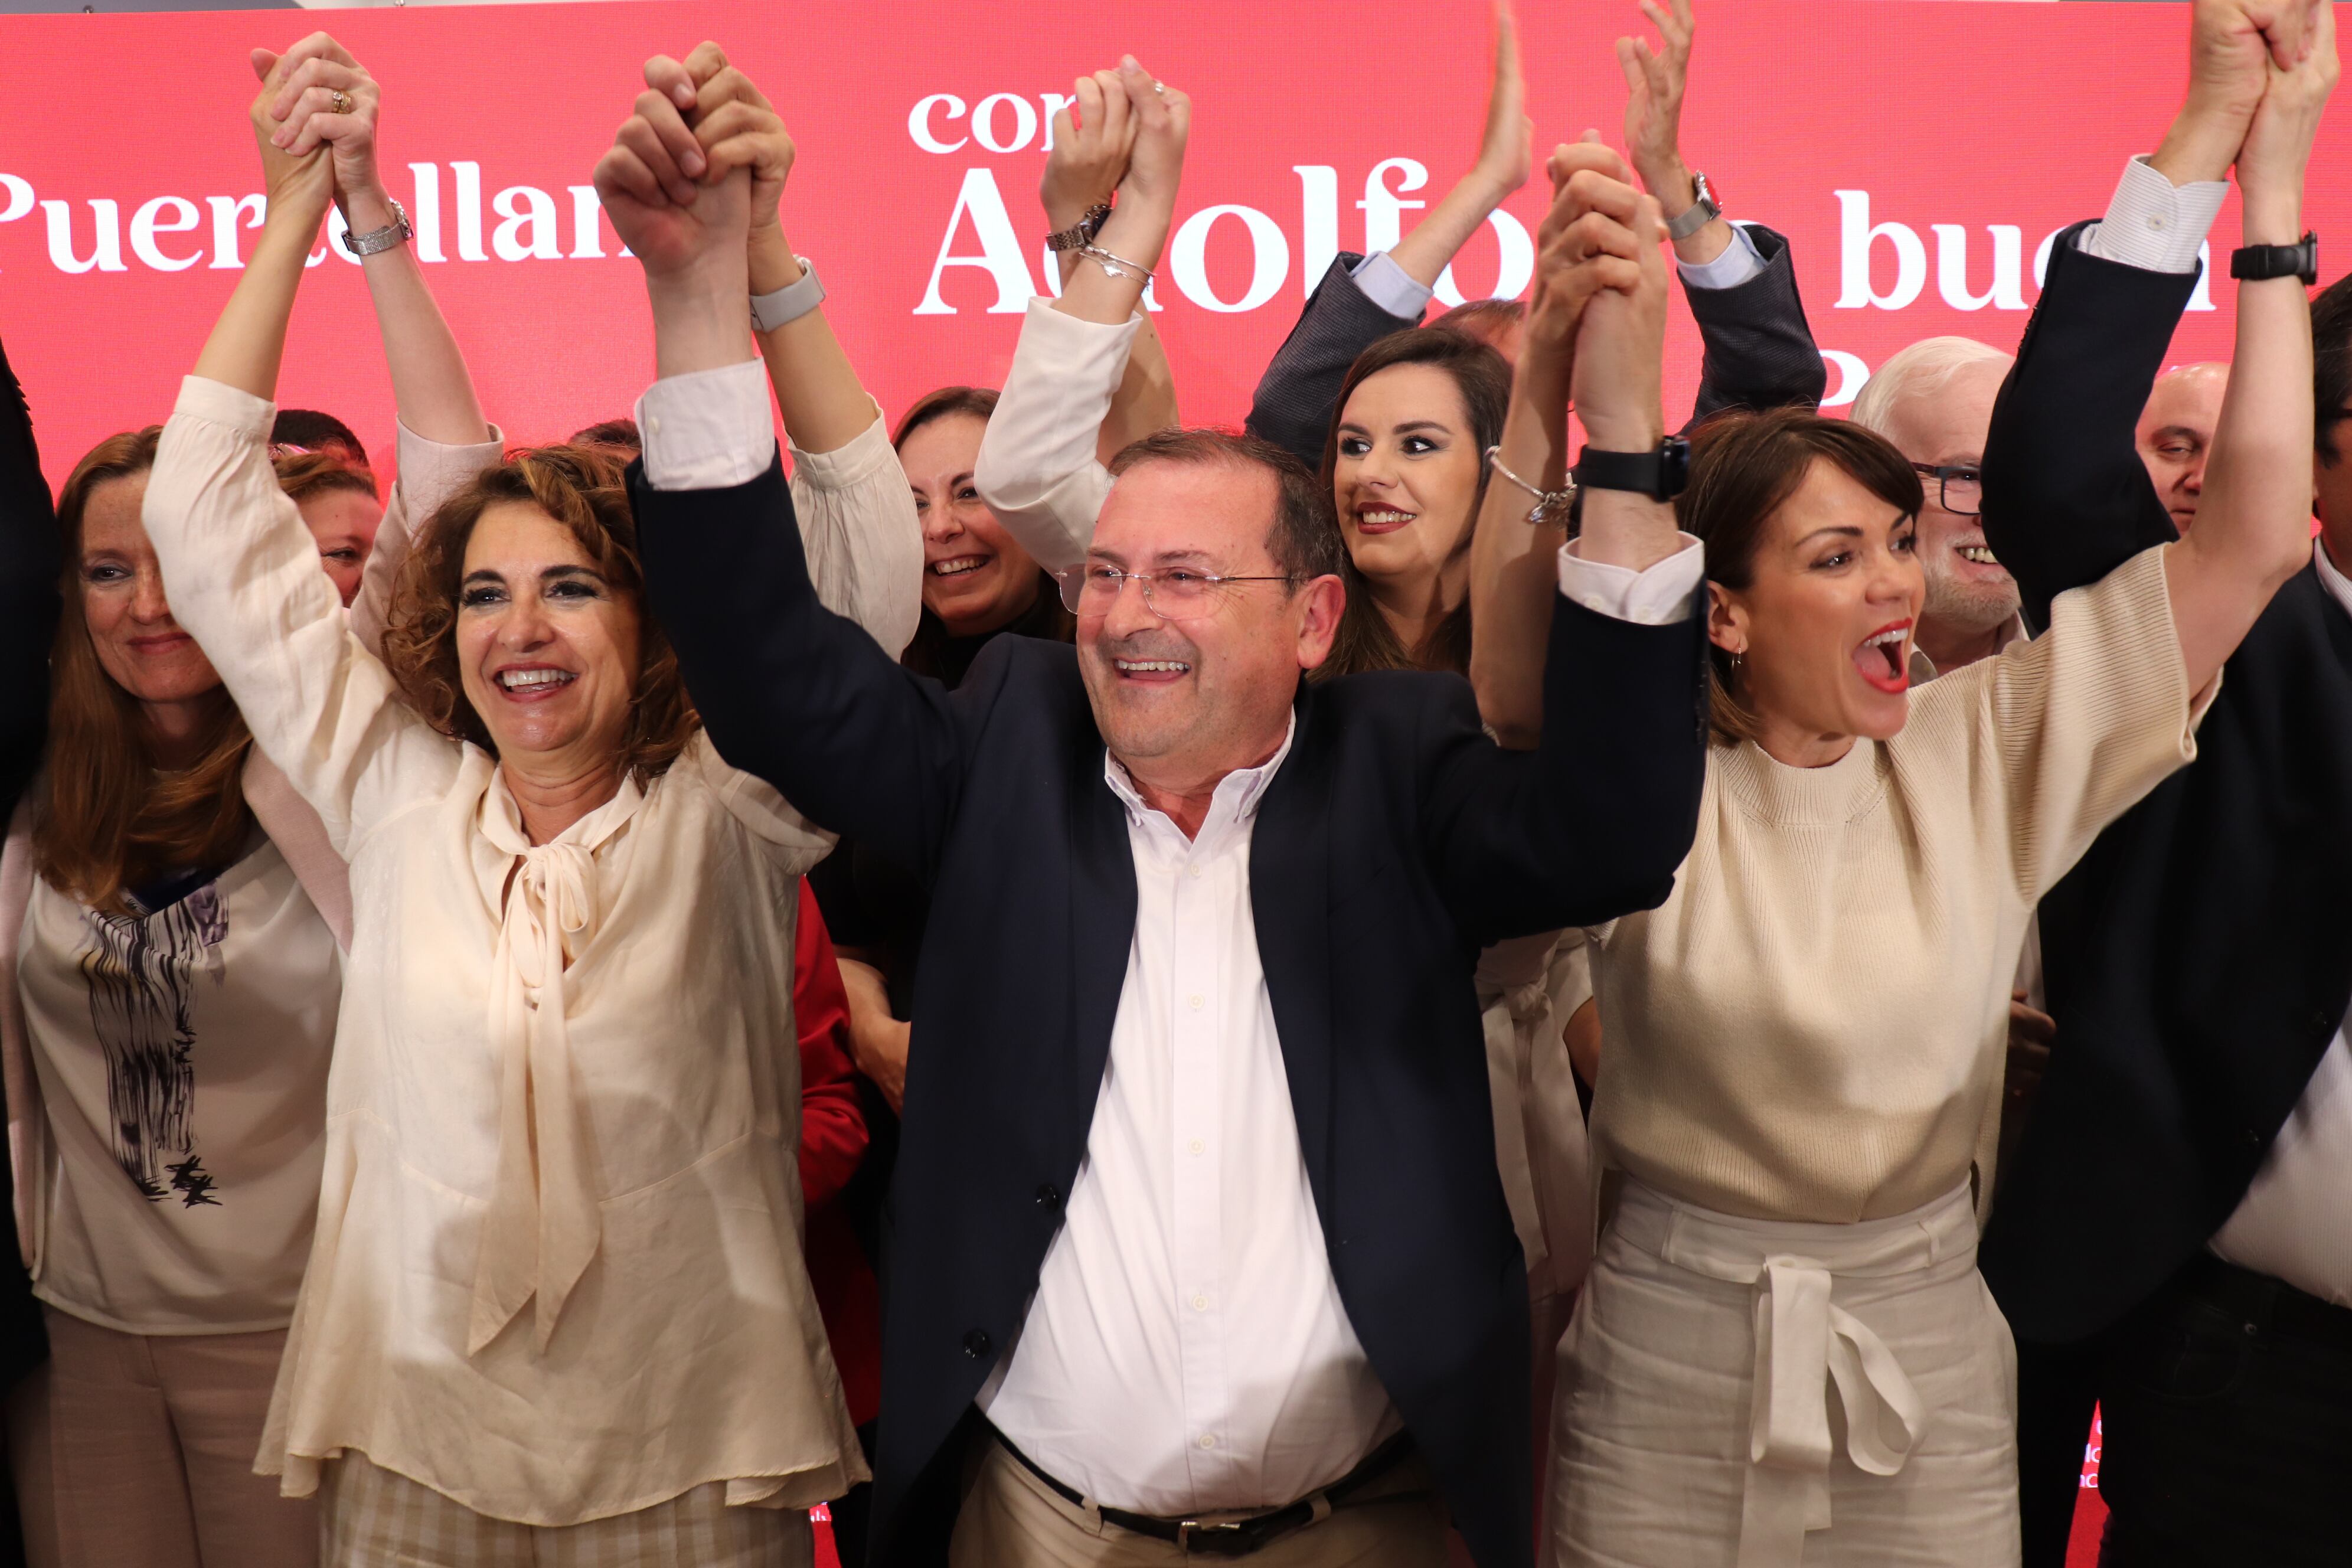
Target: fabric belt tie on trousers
x=1807 y=1346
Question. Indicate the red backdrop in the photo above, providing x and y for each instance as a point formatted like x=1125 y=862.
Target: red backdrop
x=1972 y=129
x=1977 y=128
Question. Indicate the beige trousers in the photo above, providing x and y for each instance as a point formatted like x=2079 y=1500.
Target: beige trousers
x=375 y=1517
x=1013 y=1520
x=1744 y=1394
x=151 y=1441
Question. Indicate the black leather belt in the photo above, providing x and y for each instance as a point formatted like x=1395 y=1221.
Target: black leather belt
x=2271 y=1304
x=1238 y=1536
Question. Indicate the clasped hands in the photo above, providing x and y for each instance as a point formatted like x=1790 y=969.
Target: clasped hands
x=1596 y=324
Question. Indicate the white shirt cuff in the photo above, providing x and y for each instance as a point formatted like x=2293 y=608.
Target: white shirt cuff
x=2153 y=224
x=1741 y=261
x=1658 y=595
x=708 y=430
x=1391 y=286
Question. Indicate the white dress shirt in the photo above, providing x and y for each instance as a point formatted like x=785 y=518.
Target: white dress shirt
x=1187 y=1351
x=2290 y=1225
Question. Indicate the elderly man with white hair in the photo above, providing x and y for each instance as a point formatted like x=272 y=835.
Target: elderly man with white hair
x=1934 y=400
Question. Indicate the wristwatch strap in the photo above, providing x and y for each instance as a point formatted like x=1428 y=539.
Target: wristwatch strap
x=2255 y=263
x=1660 y=473
x=1702 y=211
x=396 y=231
x=789 y=303
x=1081 y=233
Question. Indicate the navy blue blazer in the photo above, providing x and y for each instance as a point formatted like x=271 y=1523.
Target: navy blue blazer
x=1394 y=843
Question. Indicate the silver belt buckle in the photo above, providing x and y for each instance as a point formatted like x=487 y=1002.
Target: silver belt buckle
x=1186 y=1529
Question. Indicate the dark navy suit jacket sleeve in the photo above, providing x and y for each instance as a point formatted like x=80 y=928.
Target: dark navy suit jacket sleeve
x=28 y=592
x=2066 y=498
x=789 y=690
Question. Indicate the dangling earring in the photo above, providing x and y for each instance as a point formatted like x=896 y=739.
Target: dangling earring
x=1736 y=659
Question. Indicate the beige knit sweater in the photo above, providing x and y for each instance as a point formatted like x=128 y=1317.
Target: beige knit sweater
x=1812 y=1027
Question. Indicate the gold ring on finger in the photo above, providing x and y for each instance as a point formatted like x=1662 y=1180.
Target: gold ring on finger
x=341 y=100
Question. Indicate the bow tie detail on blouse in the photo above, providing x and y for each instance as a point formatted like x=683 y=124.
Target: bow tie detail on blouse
x=544 y=1221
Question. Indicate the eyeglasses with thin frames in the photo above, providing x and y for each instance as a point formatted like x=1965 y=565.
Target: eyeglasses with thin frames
x=1179 y=594
x=1960 y=486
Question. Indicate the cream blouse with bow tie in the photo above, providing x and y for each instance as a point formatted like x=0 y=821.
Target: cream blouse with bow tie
x=557 y=1273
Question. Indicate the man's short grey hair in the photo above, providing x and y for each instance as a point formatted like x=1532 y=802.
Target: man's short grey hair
x=1923 y=370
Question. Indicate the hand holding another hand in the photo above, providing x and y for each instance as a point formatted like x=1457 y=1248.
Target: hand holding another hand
x=1092 y=136
x=1613 y=259
x=1155 y=166
x=2277 y=151
x=300 y=185
x=668 y=199
x=324 y=98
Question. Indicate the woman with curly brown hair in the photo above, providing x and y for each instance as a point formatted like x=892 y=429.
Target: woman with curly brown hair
x=557 y=1290
x=172 y=911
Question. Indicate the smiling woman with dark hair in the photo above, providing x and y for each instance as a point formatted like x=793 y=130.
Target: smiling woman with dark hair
x=1784 y=1350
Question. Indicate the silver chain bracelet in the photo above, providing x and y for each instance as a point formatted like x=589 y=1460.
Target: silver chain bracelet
x=1116 y=266
x=1551 y=505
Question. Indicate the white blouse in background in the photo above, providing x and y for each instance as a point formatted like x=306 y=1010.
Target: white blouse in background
x=627 y=1005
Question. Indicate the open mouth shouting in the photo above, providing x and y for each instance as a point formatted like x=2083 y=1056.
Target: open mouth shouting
x=1373 y=516
x=1883 y=659
x=531 y=683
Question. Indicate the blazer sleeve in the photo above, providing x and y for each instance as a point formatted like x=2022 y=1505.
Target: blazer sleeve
x=1760 y=351
x=28 y=592
x=2066 y=498
x=789 y=691
x=1594 y=822
x=1298 y=396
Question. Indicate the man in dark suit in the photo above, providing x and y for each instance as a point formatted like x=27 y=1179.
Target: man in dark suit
x=1197 y=1202
x=2170 y=1239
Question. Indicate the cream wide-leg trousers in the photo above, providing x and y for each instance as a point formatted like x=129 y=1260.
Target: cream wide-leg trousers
x=1742 y=1393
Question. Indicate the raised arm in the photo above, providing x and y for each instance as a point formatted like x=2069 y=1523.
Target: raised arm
x=328 y=98
x=28 y=592
x=1364 y=299
x=1515 y=832
x=2254 y=525
x=241 y=570
x=1514 y=575
x=1091 y=139
x=1740 y=282
x=2066 y=497
x=863 y=544
x=1039 y=467
x=789 y=690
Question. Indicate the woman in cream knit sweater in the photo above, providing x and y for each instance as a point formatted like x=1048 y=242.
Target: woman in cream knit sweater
x=1783 y=1352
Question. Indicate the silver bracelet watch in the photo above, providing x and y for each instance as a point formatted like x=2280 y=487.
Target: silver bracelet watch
x=1704 y=210
x=396 y=231
x=789 y=303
